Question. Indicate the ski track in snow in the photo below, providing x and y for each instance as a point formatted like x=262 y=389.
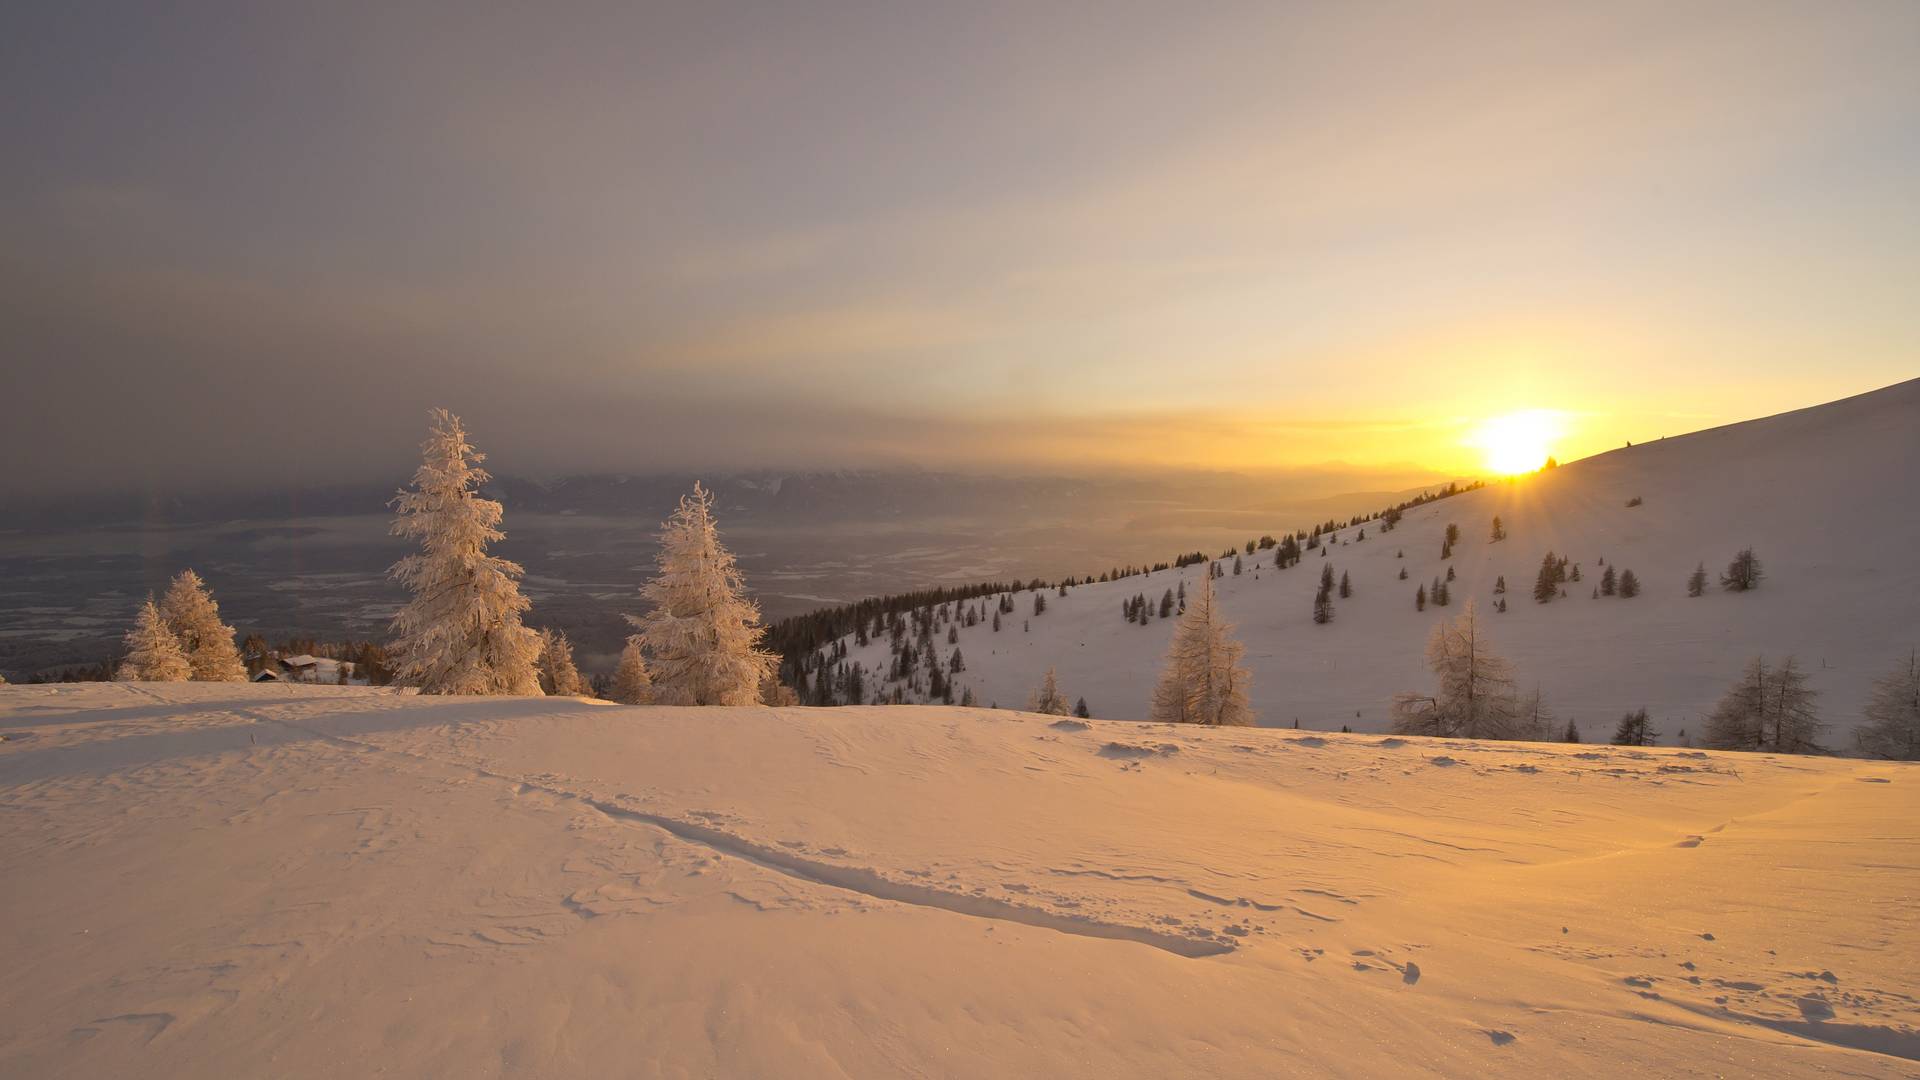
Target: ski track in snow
x=850 y=878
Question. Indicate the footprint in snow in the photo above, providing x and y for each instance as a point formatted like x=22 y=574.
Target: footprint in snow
x=1500 y=1038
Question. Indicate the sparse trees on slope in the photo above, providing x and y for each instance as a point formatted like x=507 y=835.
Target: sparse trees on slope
x=1892 y=730
x=1742 y=573
x=461 y=633
x=558 y=675
x=1047 y=699
x=1476 y=697
x=189 y=611
x=153 y=653
x=702 y=634
x=1203 y=682
x=1769 y=709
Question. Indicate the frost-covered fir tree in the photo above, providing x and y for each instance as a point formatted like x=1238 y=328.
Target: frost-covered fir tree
x=702 y=636
x=558 y=675
x=189 y=611
x=153 y=653
x=1476 y=698
x=1203 y=682
x=1047 y=699
x=632 y=682
x=1892 y=730
x=461 y=633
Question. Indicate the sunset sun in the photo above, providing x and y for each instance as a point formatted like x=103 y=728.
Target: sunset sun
x=1517 y=442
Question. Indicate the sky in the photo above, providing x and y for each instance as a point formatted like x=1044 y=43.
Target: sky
x=238 y=240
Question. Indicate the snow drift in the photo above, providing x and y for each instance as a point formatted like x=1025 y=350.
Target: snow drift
x=251 y=880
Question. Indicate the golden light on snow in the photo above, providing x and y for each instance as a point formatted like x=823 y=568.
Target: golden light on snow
x=1517 y=442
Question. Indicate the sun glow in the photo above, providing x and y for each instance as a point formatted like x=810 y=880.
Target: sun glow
x=1517 y=442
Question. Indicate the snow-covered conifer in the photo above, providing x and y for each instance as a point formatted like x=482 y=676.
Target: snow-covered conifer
x=1697 y=581
x=1476 y=698
x=1892 y=729
x=703 y=633
x=461 y=632
x=153 y=653
x=632 y=682
x=558 y=675
x=1048 y=699
x=1203 y=682
x=189 y=611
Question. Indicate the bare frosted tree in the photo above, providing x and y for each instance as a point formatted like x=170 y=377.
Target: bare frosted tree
x=194 y=618
x=1476 y=698
x=1769 y=709
x=1048 y=699
x=702 y=635
x=632 y=682
x=461 y=633
x=1892 y=730
x=1533 y=720
x=1203 y=682
x=153 y=653
x=1743 y=573
x=1736 y=723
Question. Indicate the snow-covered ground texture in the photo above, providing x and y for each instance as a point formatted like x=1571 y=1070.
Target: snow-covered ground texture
x=1828 y=497
x=290 y=881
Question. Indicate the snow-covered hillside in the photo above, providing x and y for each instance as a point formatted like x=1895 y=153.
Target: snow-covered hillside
x=256 y=880
x=1828 y=497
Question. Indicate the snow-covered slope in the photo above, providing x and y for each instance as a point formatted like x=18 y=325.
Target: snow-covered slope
x=210 y=880
x=1829 y=498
